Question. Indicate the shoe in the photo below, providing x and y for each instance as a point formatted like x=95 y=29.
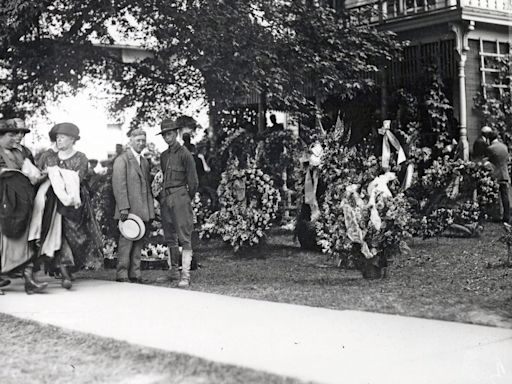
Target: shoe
x=4 y=282
x=123 y=280
x=66 y=279
x=66 y=284
x=31 y=285
x=137 y=280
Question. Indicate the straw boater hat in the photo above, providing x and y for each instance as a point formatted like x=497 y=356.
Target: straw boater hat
x=132 y=228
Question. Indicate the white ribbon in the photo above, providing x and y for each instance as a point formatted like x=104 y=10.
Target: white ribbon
x=378 y=188
x=409 y=174
x=388 y=140
x=310 y=186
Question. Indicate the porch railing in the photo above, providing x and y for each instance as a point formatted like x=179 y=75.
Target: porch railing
x=383 y=10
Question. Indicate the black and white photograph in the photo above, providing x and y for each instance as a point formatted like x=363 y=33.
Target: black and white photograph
x=255 y=191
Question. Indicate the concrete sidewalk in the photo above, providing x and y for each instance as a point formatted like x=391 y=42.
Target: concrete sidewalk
x=316 y=344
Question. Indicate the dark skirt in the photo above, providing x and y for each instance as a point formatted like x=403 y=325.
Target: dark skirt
x=82 y=244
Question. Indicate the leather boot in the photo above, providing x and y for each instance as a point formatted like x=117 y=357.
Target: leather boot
x=31 y=285
x=186 y=259
x=66 y=278
x=175 y=256
x=4 y=282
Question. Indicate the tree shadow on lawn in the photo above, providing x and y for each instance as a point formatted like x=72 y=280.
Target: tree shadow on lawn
x=443 y=278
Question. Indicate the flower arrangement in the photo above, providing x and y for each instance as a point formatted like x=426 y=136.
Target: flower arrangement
x=364 y=225
x=453 y=193
x=248 y=205
x=201 y=208
x=109 y=248
x=154 y=252
x=157 y=183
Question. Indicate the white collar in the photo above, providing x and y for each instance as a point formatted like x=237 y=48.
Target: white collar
x=137 y=155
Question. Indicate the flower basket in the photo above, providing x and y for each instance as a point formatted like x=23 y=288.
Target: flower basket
x=154 y=264
x=145 y=264
x=370 y=271
x=363 y=228
x=370 y=268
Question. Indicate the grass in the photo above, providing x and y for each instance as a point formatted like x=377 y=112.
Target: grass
x=455 y=279
x=35 y=353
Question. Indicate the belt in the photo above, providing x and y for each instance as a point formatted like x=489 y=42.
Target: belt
x=171 y=190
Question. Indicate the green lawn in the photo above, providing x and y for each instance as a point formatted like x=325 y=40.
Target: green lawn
x=454 y=279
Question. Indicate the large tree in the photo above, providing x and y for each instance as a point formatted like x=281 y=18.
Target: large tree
x=221 y=50
x=48 y=48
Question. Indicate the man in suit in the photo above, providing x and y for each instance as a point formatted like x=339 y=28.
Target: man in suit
x=132 y=192
x=498 y=156
x=481 y=143
x=179 y=188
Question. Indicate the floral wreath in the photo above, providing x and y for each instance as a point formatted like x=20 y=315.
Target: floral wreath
x=248 y=205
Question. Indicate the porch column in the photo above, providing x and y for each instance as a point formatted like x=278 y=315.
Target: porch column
x=461 y=31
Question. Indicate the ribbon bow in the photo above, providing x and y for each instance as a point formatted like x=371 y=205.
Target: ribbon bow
x=388 y=140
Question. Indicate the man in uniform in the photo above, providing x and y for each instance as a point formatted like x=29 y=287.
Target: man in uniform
x=179 y=187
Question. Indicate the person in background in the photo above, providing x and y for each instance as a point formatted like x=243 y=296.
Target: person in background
x=132 y=191
x=179 y=188
x=275 y=127
x=498 y=156
x=92 y=165
x=481 y=144
x=15 y=252
x=187 y=143
x=19 y=124
x=50 y=151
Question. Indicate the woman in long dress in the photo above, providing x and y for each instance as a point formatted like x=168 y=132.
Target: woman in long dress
x=17 y=195
x=70 y=235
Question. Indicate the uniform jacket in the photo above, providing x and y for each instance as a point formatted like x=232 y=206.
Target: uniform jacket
x=498 y=156
x=132 y=186
x=179 y=169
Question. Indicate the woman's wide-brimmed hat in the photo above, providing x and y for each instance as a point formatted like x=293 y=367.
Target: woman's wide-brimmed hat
x=68 y=129
x=132 y=228
x=13 y=125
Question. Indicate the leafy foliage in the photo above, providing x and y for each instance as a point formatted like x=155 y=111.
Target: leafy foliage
x=219 y=50
x=279 y=152
x=496 y=110
x=49 y=48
